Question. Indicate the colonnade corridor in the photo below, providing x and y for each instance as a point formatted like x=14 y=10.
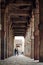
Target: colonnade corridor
x=21 y=32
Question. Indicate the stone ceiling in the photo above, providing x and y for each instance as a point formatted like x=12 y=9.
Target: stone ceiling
x=22 y=12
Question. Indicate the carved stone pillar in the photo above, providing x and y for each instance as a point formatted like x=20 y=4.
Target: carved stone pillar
x=41 y=31
x=36 y=31
x=41 y=43
x=32 y=36
x=2 y=34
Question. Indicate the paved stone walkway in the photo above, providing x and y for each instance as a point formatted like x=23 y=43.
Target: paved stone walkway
x=19 y=60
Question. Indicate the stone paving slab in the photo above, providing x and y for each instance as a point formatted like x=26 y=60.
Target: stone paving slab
x=19 y=60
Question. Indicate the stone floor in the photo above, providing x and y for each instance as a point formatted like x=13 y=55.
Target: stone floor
x=19 y=60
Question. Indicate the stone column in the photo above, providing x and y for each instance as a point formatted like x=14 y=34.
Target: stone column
x=10 y=41
x=27 y=45
x=41 y=31
x=5 y=39
x=2 y=34
x=8 y=34
x=0 y=44
x=32 y=36
x=41 y=43
x=36 y=31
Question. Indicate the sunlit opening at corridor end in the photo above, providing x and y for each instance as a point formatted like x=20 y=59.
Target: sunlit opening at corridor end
x=19 y=43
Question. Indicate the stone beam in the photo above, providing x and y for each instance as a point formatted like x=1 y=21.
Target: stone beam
x=21 y=26
x=17 y=18
x=19 y=30
x=19 y=34
x=22 y=4
x=20 y=14
x=19 y=10
x=16 y=22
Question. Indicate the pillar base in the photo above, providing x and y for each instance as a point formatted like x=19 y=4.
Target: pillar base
x=2 y=58
x=41 y=59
